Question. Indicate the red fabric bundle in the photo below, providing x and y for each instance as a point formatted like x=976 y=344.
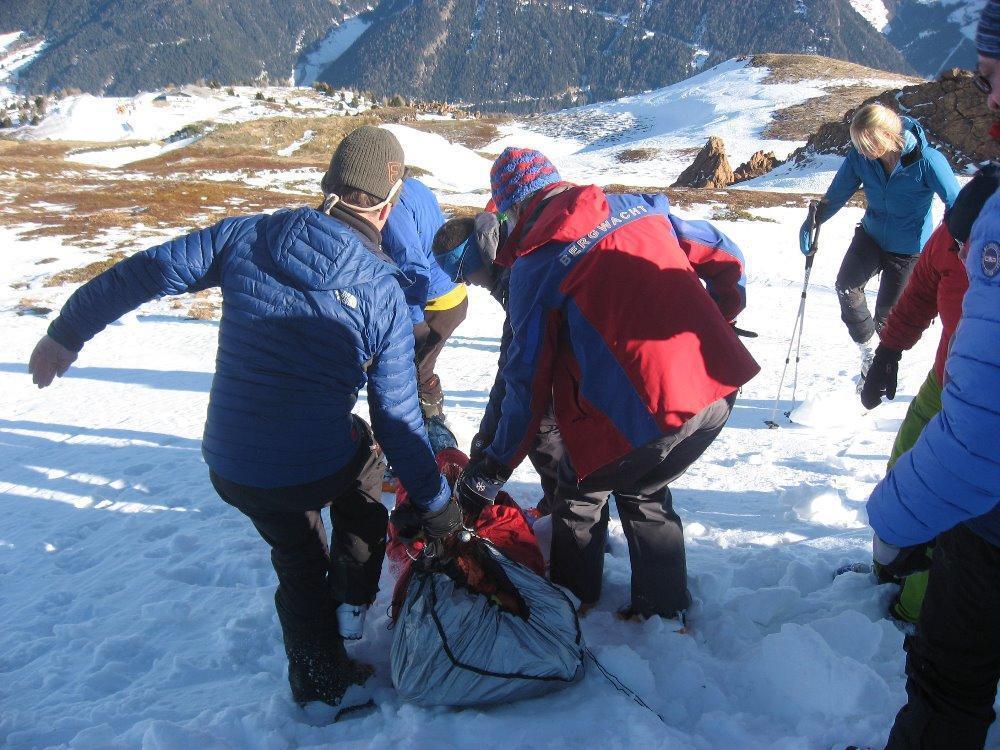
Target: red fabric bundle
x=503 y=523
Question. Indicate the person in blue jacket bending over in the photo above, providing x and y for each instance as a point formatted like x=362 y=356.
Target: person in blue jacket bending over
x=312 y=311
x=948 y=486
x=437 y=304
x=900 y=173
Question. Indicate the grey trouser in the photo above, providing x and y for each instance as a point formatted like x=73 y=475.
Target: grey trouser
x=640 y=483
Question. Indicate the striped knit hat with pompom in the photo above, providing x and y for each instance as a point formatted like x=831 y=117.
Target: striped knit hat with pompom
x=519 y=172
x=988 y=31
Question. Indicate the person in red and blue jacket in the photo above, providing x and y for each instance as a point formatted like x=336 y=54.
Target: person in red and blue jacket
x=612 y=325
x=437 y=304
x=948 y=487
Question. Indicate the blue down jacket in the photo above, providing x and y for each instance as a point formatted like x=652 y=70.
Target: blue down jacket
x=898 y=217
x=952 y=474
x=311 y=313
x=408 y=238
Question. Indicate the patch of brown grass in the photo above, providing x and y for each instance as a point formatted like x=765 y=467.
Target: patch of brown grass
x=28 y=306
x=204 y=310
x=798 y=122
x=84 y=273
x=785 y=68
x=474 y=134
x=633 y=155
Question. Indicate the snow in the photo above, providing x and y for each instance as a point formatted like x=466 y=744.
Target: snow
x=336 y=42
x=119 y=157
x=293 y=147
x=873 y=11
x=138 y=607
x=732 y=100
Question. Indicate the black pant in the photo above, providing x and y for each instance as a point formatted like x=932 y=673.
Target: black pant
x=865 y=259
x=953 y=662
x=640 y=483
x=428 y=341
x=314 y=577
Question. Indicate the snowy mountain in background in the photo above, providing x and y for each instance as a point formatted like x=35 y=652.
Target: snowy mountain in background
x=933 y=35
x=524 y=55
x=518 y=55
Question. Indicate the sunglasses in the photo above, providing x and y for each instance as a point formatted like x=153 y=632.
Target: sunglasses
x=982 y=83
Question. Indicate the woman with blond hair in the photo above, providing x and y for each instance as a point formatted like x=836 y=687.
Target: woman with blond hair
x=900 y=173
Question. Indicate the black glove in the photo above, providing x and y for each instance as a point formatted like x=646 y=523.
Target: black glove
x=437 y=525
x=899 y=562
x=476 y=450
x=479 y=484
x=881 y=378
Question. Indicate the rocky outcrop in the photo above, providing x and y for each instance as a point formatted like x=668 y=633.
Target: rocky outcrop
x=710 y=168
x=757 y=165
x=952 y=111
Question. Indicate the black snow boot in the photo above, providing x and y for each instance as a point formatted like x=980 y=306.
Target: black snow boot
x=319 y=668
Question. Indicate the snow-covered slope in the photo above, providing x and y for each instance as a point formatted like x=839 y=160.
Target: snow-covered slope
x=155 y=116
x=734 y=100
x=14 y=56
x=874 y=11
x=332 y=46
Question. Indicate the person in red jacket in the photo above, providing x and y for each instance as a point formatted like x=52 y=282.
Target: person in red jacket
x=936 y=288
x=612 y=325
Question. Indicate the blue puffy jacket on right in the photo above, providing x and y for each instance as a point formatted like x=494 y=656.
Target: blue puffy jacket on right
x=311 y=313
x=898 y=216
x=408 y=238
x=952 y=473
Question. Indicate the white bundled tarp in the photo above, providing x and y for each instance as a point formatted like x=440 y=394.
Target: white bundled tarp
x=455 y=647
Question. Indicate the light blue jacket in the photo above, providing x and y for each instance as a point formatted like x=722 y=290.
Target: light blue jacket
x=898 y=217
x=952 y=474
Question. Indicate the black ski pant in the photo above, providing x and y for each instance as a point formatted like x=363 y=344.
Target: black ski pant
x=953 y=661
x=315 y=576
x=865 y=259
x=640 y=483
x=428 y=342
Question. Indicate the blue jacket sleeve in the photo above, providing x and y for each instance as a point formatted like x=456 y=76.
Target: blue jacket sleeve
x=717 y=261
x=940 y=177
x=394 y=409
x=402 y=242
x=491 y=415
x=527 y=372
x=952 y=473
x=185 y=264
x=845 y=184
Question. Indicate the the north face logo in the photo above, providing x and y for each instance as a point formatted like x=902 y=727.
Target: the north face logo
x=346 y=299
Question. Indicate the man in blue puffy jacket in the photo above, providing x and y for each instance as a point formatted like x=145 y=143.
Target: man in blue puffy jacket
x=437 y=304
x=948 y=486
x=312 y=311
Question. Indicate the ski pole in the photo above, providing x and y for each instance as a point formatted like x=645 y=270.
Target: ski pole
x=796 y=338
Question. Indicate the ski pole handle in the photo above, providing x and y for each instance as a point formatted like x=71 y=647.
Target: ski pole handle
x=813 y=230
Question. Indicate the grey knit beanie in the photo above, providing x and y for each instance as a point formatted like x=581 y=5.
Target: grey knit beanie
x=368 y=159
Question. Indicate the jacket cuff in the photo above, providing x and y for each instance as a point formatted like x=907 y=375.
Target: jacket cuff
x=61 y=332
x=441 y=499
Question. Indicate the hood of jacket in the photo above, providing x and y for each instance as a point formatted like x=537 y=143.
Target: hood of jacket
x=322 y=254
x=565 y=217
x=913 y=136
